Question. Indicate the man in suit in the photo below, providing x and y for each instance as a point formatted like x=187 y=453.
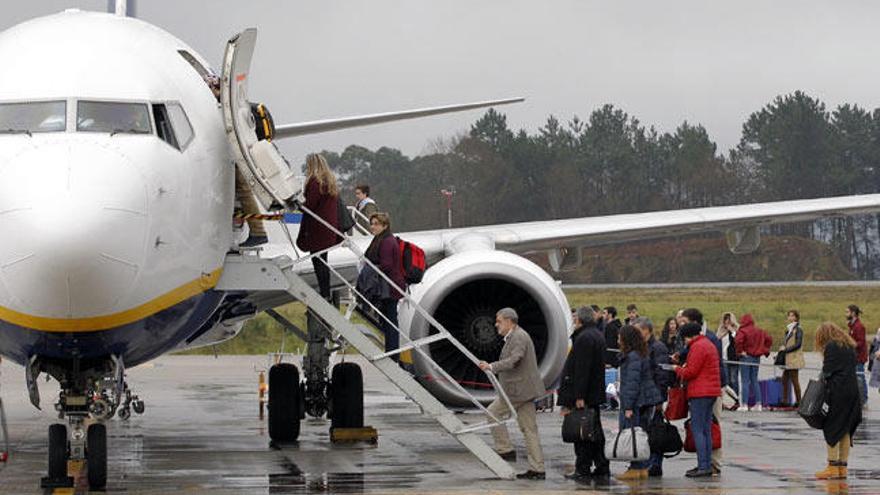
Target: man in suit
x=517 y=370
x=583 y=386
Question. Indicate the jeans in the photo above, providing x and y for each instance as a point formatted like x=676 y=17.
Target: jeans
x=388 y=307
x=641 y=417
x=656 y=461
x=701 y=428
x=733 y=379
x=749 y=376
x=863 y=385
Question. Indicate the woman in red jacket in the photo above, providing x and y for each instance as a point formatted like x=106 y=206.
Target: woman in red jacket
x=321 y=192
x=703 y=376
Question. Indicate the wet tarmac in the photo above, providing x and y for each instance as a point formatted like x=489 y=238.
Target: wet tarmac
x=201 y=434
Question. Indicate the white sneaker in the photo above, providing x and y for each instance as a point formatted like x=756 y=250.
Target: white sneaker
x=757 y=408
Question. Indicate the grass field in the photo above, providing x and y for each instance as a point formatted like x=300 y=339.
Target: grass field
x=767 y=305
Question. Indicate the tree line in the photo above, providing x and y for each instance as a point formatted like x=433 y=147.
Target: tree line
x=792 y=148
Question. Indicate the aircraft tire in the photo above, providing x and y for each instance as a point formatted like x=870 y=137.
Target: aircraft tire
x=96 y=455
x=57 y=452
x=347 y=396
x=284 y=403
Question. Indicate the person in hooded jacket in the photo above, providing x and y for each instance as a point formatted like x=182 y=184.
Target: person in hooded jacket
x=583 y=385
x=841 y=395
x=321 y=194
x=638 y=394
x=751 y=343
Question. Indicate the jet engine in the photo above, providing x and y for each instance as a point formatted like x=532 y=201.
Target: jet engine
x=463 y=292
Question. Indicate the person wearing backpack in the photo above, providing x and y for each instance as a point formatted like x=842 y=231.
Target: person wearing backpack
x=384 y=252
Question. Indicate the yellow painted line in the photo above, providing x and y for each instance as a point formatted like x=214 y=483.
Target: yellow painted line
x=106 y=322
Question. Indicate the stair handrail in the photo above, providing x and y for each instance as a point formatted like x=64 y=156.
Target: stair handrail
x=347 y=243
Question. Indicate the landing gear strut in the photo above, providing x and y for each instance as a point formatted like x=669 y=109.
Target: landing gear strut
x=341 y=398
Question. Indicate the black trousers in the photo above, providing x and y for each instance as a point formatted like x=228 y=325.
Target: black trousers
x=589 y=454
x=322 y=273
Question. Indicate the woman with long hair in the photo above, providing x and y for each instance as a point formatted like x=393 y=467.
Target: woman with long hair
x=793 y=352
x=841 y=394
x=669 y=335
x=384 y=252
x=321 y=194
x=727 y=328
x=638 y=394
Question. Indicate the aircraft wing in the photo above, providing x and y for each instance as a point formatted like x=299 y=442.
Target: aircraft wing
x=592 y=231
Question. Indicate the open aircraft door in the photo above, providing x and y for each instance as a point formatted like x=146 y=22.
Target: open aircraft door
x=267 y=172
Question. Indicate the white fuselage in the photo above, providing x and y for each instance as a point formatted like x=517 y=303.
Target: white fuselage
x=104 y=229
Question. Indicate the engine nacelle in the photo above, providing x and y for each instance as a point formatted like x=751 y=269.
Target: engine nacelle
x=743 y=241
x=463 y=292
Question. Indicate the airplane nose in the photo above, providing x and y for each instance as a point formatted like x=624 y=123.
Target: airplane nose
x=75 y=220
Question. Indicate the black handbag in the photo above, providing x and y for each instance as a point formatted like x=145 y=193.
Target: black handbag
x=344 y=219
x=580 y=425
x=663 y=437
x=780 y=359
x=812 y=407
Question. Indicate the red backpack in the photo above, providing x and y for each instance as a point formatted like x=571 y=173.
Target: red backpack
x=412 y=259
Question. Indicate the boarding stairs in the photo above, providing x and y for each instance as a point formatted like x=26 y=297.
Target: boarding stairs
x=285 y=274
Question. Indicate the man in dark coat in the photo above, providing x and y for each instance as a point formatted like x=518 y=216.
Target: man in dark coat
x=612 y=332
x=583 y=386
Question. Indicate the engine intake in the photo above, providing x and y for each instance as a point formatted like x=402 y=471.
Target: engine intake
x=463 y=292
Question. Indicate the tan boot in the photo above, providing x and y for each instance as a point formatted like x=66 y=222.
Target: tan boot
x=831 y=472
x=633 y=474
x=842 y=471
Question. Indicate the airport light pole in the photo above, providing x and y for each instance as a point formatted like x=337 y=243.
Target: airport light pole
x=449 y=193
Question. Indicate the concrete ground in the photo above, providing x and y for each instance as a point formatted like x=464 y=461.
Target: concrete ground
x=201 y=433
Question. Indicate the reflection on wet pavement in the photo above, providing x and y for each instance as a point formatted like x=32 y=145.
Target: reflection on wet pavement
x=202 y=434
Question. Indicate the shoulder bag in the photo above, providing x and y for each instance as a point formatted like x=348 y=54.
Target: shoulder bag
x=580 y=425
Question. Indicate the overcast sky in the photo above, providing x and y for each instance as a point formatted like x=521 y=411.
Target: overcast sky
x=664 y=62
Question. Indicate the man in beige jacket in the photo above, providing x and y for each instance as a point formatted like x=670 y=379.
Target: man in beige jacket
x=517 y=370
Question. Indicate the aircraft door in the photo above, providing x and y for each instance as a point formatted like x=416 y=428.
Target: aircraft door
x=265 y=170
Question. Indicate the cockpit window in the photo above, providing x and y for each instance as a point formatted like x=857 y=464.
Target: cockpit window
x=30 y=117
x=113 y=117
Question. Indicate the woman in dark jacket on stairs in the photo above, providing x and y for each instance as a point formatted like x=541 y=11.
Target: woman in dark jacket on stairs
x=842 y=396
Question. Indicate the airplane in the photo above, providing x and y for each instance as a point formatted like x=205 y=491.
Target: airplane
x=117 y=188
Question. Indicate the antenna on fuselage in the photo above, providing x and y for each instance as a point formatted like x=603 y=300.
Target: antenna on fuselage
x=122 y=7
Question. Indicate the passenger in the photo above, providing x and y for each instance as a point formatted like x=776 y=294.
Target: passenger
x=669 y=336
x=750 y=346
x=365 y=206
x=727 y=329
x=583 y=385
x=874 y=361
x=612 y=334
x=638 y=394
x=794 y=357
x=245 y=197
x=841 y=395
x=663 y=379
x=857 y=332
x=632 y=312
x=703 y=376
x=517 y=370
x=600 y=321
x=693 y=315
x=384 y=252
x=321 y=194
